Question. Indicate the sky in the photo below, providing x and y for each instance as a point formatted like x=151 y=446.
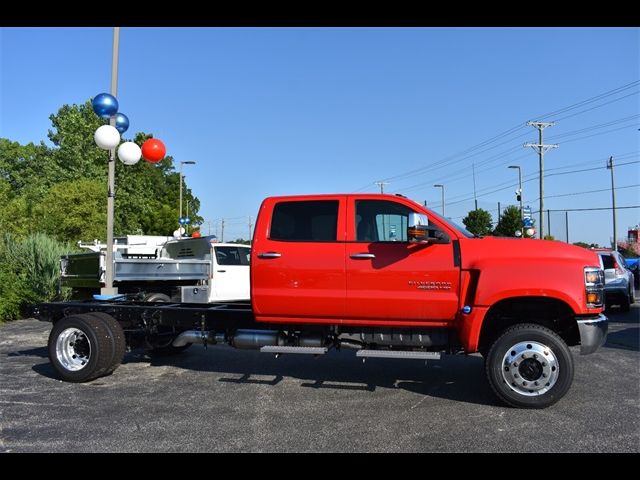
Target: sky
x=279 y=111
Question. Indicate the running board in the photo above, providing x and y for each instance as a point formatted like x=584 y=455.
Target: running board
x=398 y=354
x=303 y=350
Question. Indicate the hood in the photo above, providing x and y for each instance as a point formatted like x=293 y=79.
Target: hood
x=522 y=250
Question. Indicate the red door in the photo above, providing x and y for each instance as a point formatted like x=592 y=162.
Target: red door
x=298 y=261
x=391 y=281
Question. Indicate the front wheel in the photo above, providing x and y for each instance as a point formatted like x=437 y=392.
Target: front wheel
x=529 y=366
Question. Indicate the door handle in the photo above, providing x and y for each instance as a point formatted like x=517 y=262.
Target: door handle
x=269 y=255
x=221 y=271
x=362 y=256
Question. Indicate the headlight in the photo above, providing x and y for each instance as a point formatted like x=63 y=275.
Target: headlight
x=594 y=286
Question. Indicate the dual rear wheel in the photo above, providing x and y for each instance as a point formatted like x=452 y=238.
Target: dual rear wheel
x=87 y=346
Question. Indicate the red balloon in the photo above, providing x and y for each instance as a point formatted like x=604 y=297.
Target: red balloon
x=153 y=150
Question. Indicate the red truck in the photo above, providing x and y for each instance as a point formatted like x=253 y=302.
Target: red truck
x=379 y=274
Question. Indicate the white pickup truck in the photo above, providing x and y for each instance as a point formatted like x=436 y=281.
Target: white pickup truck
x=188 y=270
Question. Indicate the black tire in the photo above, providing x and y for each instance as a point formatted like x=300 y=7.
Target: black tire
x=632 y=295
x=81 y=348
x=119 y=340
x=529 y=366
x=157 y=297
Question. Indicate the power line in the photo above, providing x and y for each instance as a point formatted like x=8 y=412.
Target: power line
x=591 y=191
x=531 y=178
x=589 y=209
x=443 y=162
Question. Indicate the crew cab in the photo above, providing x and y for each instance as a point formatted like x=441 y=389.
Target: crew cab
x=379 y=274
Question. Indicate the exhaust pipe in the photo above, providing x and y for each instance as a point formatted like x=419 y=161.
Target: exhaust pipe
x=197 y=336
x=256 y=339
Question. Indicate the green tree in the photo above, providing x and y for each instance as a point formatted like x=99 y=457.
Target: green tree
x=510 y=221
x=478 y=221
x=74 y=210
x=14 y=215
x=76 y=154
x=34 y=178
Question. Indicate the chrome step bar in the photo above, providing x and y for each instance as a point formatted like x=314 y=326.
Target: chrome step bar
x=303 y=350
x=398 y=354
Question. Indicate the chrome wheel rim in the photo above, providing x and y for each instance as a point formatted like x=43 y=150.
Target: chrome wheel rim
x=73 y=349
x=530 y=368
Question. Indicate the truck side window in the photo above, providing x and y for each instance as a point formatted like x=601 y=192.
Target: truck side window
x=228 y=256
x=381 y=221
x=310 y=221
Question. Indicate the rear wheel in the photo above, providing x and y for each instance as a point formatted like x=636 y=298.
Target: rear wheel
x=529 y=366
x=117 y=334
x=81 y=348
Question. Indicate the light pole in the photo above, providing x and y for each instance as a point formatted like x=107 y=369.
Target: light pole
x=442 y=187
x=520 y=196
x=108 y=288
x=185 y=162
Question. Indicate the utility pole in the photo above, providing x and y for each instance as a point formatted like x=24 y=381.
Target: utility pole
x=566 y=223
x=442 y=187
x=209 y=224
x=614 y=244
x=475 y=198
x=222 y=232
x=381 y=184
x=540 y=147
x=250 y=233
x=108 y=274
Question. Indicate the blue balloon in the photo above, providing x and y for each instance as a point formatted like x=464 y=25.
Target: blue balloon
x=122 y=122
x=105 y=105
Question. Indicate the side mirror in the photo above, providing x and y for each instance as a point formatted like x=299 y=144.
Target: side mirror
x=417 y=228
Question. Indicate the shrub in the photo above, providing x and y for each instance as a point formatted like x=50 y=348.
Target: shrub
x=29 y=273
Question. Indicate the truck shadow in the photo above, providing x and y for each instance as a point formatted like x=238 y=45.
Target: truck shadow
x=41 y=352
x=458 y=378
x=624 y=329
x=627 y=339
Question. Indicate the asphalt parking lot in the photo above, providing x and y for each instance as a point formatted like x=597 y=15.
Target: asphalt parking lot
x=226 y=400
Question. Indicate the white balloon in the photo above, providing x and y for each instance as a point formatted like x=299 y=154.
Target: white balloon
x=107 y=137
x=129 y=153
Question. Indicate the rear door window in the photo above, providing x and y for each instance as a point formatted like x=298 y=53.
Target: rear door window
x=305 y=221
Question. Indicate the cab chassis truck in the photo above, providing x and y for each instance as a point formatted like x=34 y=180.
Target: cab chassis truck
x=379 y=274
